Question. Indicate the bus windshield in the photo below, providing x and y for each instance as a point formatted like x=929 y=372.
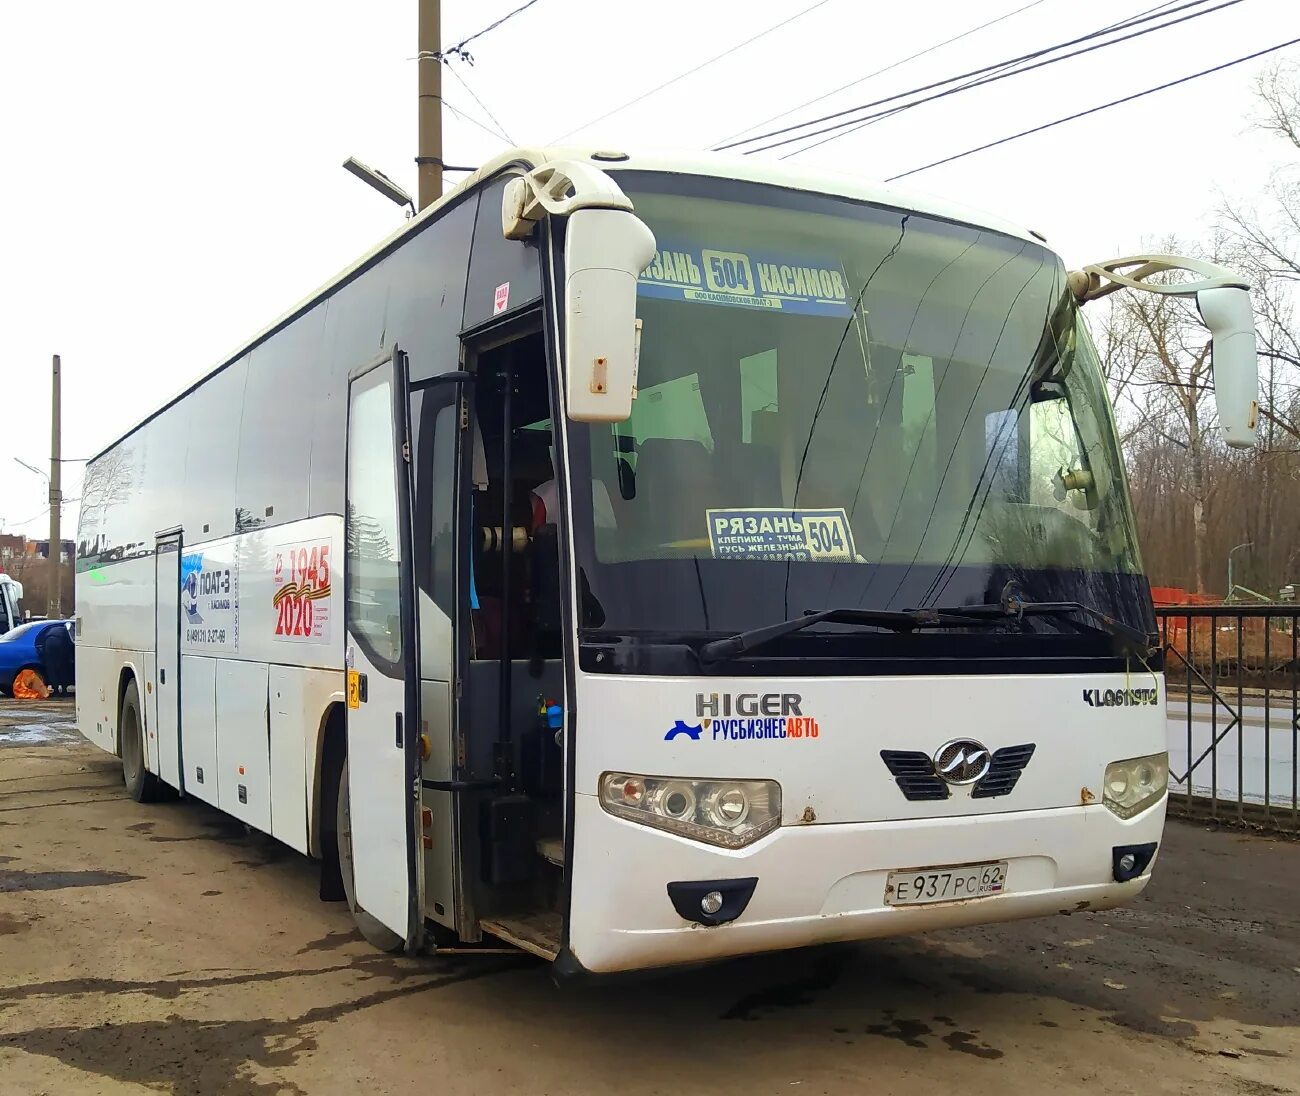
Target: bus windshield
x=844 y=405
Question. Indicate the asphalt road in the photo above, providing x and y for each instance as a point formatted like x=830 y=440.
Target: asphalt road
x=165 y=949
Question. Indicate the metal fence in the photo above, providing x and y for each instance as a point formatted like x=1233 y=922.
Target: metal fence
x=1231 y=674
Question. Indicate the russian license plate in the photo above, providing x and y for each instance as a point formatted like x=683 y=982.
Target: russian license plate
x=914 y=888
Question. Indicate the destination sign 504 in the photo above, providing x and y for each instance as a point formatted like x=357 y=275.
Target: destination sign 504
x=822 y=535
x=769 y=281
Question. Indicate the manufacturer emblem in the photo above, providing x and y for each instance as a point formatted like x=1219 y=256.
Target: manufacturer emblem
x=962 y=761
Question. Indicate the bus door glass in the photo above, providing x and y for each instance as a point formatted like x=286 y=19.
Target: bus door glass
x=382 y=696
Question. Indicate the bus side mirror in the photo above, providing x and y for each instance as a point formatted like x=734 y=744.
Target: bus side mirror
x=605 y=252
x=1228 y=313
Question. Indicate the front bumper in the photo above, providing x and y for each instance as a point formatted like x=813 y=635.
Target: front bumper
x=825 y=883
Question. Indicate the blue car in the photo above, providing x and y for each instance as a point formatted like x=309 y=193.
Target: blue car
x=42 y=646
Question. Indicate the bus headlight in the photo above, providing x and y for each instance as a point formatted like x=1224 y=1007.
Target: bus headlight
x=730 y=813
x=1134 y=785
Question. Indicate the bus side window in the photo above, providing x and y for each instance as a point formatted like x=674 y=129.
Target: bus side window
x=671 y=410
x=1002 y=438
x=920 y=443
x=758 y=396
x=1053 y=449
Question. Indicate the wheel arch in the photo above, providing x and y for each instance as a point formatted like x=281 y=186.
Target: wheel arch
x=126 y=675
x=330 y=749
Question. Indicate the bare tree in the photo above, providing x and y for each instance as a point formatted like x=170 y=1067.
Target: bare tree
x=1121 y=347
x=1194 y=498
x=1274 y=236
x=1267 y=247
x=1157 y=356
x=1266 y=243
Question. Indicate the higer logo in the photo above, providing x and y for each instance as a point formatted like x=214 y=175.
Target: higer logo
x=747 y=717
x=962 y=761
x=725 y=704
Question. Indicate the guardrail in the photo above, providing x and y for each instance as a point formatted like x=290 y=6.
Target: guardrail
x=1232 y=674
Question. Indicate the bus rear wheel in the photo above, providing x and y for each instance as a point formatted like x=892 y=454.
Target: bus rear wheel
x=142 y=785
x=377 y=934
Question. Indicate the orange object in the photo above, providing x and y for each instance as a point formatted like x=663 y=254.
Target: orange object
x=29 y=685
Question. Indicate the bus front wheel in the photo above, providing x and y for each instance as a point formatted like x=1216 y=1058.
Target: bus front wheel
x=377 y=934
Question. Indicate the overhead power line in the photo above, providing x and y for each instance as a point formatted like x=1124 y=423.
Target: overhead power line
x=501 y=130
x=841 y=129
x=990 y=74
x=458 y=50
x=45 y=510
x=469 y=118
x=691 y=71
x=871 y=120
x=1096 y=109
x=878 y=72
x=987 y=73
x=28 y=521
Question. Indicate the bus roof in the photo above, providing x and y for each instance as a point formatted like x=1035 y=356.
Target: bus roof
x=715 y=165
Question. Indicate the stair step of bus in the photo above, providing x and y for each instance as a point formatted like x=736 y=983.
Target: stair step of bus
x=538 y=933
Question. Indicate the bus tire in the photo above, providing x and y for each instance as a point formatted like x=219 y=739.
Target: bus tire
x=331 y=878
x=380 y=936
x=142 y=785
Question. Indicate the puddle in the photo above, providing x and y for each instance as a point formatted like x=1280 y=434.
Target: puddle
x=57 y=880
x=796 y=993
x=52 y=733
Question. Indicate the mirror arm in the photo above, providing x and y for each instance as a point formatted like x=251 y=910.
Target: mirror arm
x=1224 y=304
x=1099 y=279
x=557 y=188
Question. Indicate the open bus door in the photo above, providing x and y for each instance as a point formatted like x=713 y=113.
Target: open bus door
x=378 y=796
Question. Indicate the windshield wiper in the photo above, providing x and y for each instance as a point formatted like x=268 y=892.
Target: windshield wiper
x=895 y=621
x=1130 y=639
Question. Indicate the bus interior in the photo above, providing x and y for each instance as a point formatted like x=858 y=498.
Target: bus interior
x=511 y=709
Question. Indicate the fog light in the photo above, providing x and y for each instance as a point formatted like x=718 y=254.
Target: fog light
x=1130 y=861
x=711 y=901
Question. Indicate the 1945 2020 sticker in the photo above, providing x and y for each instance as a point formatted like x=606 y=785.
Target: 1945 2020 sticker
x=302 y=588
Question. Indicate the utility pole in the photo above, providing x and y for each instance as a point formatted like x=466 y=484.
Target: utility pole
x=429 y=152
x=55 y=572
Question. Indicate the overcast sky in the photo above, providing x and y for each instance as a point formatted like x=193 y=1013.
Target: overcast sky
x=171 y=178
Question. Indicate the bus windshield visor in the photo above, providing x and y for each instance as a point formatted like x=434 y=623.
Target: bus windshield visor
x=844 y=405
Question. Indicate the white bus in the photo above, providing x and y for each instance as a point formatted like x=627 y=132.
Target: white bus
x=11 y=595
x=647 y=560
